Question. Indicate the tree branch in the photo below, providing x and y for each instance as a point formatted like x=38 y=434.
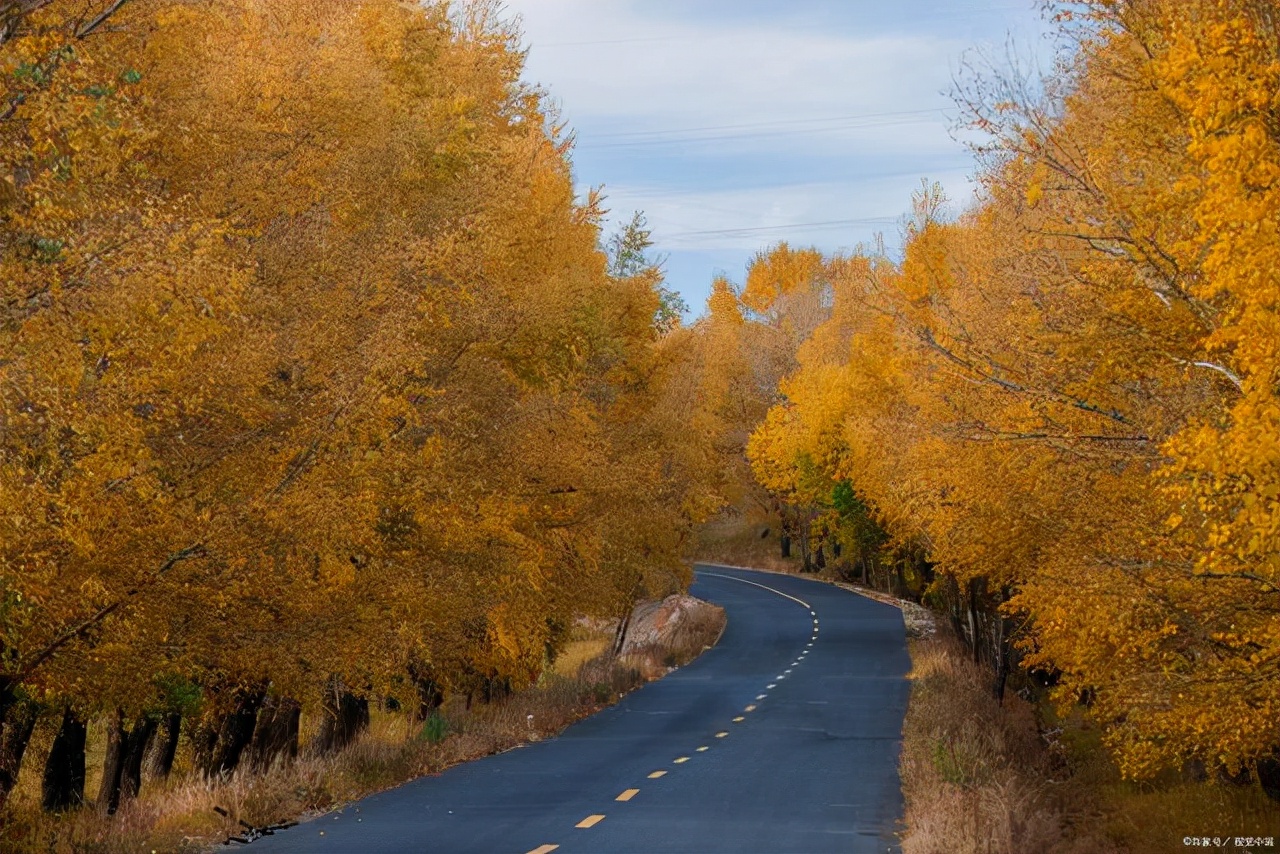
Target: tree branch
x=193 y=551
x=101 y=19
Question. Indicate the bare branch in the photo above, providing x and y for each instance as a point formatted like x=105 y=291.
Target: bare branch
x=101 y=19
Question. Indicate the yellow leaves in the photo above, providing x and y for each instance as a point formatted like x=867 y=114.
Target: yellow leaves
x=778 y=272
x=1072 y=389
x=1034 y=193
x=722 y=305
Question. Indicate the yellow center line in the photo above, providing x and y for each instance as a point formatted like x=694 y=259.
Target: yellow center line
x=750 y=708
x=544 y=849
x=760 y=696
x=704 y=747
x=656 y=774
x=627 y=795
x=590 y=821
x=681 y=760
x=721 y=734
x=739 y=719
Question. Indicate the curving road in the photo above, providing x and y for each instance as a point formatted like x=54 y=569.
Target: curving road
x=783 y=738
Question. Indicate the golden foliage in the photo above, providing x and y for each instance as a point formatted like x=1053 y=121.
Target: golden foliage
x=1071 y=391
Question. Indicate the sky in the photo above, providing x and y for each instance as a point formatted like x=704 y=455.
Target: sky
x=736 y=124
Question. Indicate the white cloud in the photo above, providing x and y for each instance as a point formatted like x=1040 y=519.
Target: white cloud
x=615 y=69
x=735 y=131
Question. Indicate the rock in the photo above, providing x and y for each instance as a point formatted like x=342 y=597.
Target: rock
x=653 y=623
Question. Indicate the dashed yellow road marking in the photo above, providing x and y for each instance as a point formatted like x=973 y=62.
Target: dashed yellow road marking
x=590 y=821
x=703 y=748
x=761 y=696
x=721 y=734
x=656 y=774
x=682 y=759
x=750 y=708
x=771 y=686
x=627 y=795
x=544 y=849
x=739 y=719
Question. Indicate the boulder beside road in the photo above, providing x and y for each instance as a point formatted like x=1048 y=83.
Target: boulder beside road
x=655 y=623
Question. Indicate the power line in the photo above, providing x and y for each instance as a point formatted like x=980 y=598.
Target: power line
x=635 y=144
x=774 y=123
x=749 y=230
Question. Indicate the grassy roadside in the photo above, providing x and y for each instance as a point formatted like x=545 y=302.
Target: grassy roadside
x=977 y=776
x=983 y=777
x=179 y=815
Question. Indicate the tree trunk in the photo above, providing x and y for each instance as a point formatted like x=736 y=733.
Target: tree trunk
x=620 y=635
x=164 y=747
x=234 y=732
x=496 y=689
x=785 y=541
x=15 y=733
x=122 y=767
x=113 y=764
x=276 y=734
x=140 y=739
x=955 y=606
x=1002 y=660
x=430 y=698
x=345 y=717
x=63 y=784
x=974 y=642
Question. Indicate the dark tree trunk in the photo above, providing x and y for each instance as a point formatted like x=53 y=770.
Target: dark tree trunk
x=63 y=785
x=1002 y=660
x=122 y=767
x=785 y=541
x=276 y=734
x=113 y=764
x=164 y=747
x=19 y=719
x=204 y=741
x=835 y=550
x=1268 y=773
x=430 y=698
x=496 y=689
x=234 y=732
x=345 y=717
x=900 y=579
x=140 y=739
x=620 y=635
x=820 y=558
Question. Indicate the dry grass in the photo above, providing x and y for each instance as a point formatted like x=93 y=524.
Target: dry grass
x=179 y=816
x=735 y=539
x=977 y=776
x=1153 y=817
x=980 y=777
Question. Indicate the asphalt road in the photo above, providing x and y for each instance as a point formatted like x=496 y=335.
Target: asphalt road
x=783 y=738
